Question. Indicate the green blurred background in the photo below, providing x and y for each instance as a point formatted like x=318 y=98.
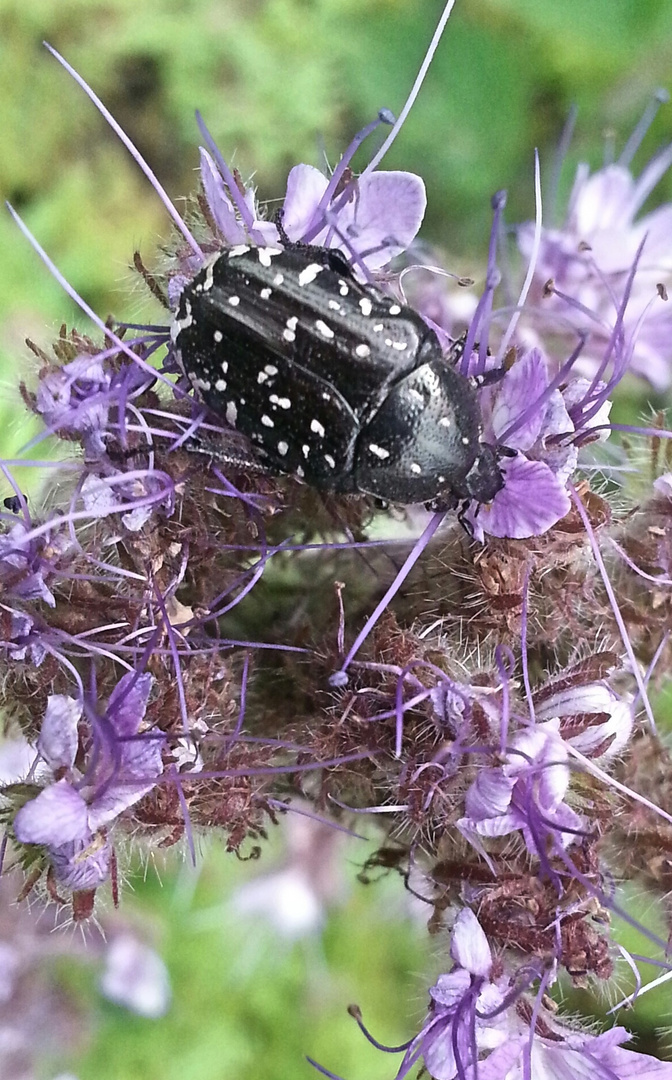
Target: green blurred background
x=279 y=82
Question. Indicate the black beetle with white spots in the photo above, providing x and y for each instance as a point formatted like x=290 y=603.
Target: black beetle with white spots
x=333 y=381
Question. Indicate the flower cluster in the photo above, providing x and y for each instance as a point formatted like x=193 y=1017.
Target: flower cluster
x=191 y=642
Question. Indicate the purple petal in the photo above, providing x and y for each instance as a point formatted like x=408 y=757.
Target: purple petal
x=380 y=220
x=613 y=721
x=663 y=485
x=439 y=1055
x=385 y=215
x=114 y=800
x=469 y=946
x=530 y=503
x=59 y=737
x=658 y=227
x=450 y=988
x=489 y=795
x=220 y=204
x=57 y=816
x=17 y=758
x=83 y=864
x=305 y=187
x=519 y=395
x=500 y=1063
x=603 y=202
x=128 y=702
x=99 y=495
x=625 y=1064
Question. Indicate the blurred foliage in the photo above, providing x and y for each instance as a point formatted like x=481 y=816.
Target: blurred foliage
x=246 y=1004
x=281 y=81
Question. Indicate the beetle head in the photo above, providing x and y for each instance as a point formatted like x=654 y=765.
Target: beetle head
x=484 y=478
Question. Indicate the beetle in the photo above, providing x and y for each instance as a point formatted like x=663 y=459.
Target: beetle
x=332 y=380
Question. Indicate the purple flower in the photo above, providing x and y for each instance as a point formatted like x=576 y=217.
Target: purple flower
x=372 y=219
x=224 y=212
x=376 y=217
x=122 y=766
x=479 y=1028
x=526 y=414
x=27 y=560
x=75 y=398
x=593 y=719
x=524 y=794
x=590 y=257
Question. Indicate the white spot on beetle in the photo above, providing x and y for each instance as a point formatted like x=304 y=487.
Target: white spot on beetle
x=220 y=385
x=266 y=421
x=325 y=396
x=362 y=350
x=400 y=346
x=331 y=462
x=444 y=421
x=366 y=305
x=343 y=287
x=231 y=413
x=379 y=451
x=291 y=322
x=208 y=281
x=265 y=294
x=465 y=440
x=316 y=427
x=325 y=330
x=305 y=450
x=416 y=395
x=217 y=336
x=378 y=327
x=234 y=301
x=289 y=335
x=309 y=273
x=278 y=280
x=441 y=479
x=262 y=377
x=283 y=447
x=266 y=254
x=334 y=305
x=395 y=309
x=239 y=249
x=270 y=369
x=182 y=324
x=281 y=402
x=225 y=366
x=415 y=468
x=299 y=472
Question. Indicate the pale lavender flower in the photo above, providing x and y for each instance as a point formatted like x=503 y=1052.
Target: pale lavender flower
x=479 y=1027
x=75 y=398
x=136 y=977
x=593 y=718
x=371 y=218
x=525 y=794
x=589 y=260
x=28 y=561
x=544 y=424
x=71 y=815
